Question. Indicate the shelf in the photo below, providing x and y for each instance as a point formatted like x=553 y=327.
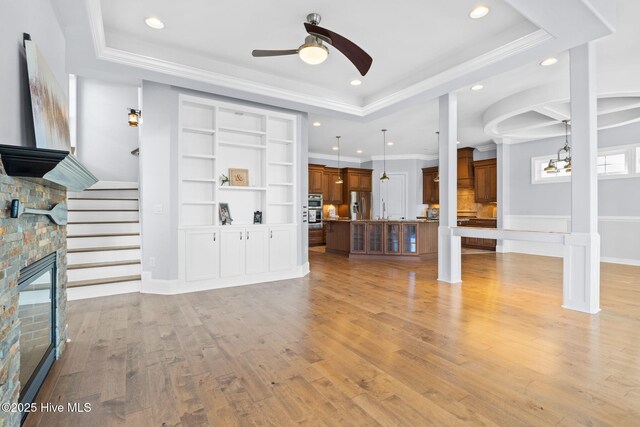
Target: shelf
x=283 y=184
x=199 y=180
x=243 y=145
x=281 y=163
x=281 y=204
x=231 y=188
x=238 y=130
x=199 y=203
x=204 y=131
x=199 y=156
x=281 y=141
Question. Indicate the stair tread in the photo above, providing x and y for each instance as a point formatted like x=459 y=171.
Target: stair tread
x=122 y=199
x=103 y=210
x=103 y=264
x=103 y=249
x=102 y=222
x=75 y=236
x=103 y=281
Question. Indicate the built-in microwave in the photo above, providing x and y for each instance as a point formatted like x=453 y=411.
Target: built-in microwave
x=315 y=201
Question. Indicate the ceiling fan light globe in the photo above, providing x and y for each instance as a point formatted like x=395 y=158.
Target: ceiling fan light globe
x=313 y=54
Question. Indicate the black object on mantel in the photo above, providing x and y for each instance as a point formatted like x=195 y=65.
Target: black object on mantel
x=57 y=166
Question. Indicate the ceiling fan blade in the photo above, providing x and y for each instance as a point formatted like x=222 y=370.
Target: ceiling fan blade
x=260 y=53
x=361 y=59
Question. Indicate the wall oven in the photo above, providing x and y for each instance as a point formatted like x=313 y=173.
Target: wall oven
x=315 y=210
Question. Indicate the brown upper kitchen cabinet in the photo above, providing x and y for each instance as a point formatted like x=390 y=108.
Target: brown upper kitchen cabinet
x=430 y=188
x=331 y=192
x=315 y=178
x=356 y=179
x=465 y=167
x=486 y=181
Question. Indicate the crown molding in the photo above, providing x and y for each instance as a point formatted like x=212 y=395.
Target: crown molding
x=404 y=157
x=501 y=53
x=486 y=147
x=322 y=156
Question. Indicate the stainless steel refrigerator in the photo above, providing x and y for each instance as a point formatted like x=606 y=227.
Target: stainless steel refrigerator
x=360 y=205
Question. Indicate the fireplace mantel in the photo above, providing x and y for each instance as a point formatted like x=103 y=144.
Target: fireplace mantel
x=59 y=167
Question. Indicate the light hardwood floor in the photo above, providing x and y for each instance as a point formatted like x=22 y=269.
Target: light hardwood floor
x=359 y=343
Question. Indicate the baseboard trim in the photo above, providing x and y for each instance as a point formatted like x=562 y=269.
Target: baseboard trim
x=174 y=287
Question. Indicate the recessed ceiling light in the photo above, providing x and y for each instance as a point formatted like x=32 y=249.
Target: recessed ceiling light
x=356 y=82
x=390 y=143
x=479 y=12
x=477 y=87
x=317 y=124
x=154 y=23
x=359 y=151
x=549 y=61
x=458 y=142
x=335 y=148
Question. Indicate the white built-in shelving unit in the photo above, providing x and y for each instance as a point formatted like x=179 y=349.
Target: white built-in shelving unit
x=215 y=137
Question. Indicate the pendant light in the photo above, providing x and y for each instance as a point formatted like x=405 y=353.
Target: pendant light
x=384 y=176
x=552 y=167
x=437 y=178
x=339 y=180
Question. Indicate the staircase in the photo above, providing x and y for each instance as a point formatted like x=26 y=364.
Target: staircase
x=103 y=241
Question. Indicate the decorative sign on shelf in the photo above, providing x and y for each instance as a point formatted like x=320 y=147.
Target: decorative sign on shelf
x=257 y=217
x=239 y=177
x=225 y=214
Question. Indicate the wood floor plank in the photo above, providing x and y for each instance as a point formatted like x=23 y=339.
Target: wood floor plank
x=358 y=343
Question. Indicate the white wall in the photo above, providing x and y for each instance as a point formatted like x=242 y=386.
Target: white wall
x=37 y=18
x=159 y=177
x=334 y=163
x=547 y=207
x=105 y=140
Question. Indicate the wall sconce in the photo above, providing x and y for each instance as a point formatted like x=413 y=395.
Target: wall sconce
x=134 y=117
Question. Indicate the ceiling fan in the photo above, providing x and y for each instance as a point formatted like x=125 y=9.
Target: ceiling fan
x=313 y=52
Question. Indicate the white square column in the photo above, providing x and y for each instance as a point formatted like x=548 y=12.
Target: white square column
x=503 y=150
x=449 y=252
x=581 y=290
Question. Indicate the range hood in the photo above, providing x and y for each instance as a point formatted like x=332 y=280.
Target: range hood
x=59 y=167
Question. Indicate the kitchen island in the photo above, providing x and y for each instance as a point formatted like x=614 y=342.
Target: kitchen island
x=412 y=239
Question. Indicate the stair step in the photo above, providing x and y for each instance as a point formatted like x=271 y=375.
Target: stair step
x=113 y=185
x=103 y=235
x=106 y=272
x=102 y=228
x=103 y=290
x=81 y=242
x=103 y=216
x=119 y=279
x=103 y=248
x=105 y=194
x=106 y=255
x=102 y=264
x=102 y=204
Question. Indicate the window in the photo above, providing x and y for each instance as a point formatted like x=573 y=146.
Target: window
x=613 y=163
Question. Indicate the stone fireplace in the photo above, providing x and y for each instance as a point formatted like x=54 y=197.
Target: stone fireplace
x=30 y=240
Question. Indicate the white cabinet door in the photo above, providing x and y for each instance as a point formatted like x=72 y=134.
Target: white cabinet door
x=202 y=255
x=232 y=252
x=282 y=251
x=257 y=253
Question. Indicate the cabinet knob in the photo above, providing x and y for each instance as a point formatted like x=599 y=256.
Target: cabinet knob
x=271 y=234
x=241 y=235
x=247 y=235
x=214 y=236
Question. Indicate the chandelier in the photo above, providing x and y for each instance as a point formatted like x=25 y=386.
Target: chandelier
x=552 y=167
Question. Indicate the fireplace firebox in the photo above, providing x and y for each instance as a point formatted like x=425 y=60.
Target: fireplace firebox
x=37 y=314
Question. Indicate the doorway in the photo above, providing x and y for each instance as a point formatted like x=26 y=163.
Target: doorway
x=393 y=196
